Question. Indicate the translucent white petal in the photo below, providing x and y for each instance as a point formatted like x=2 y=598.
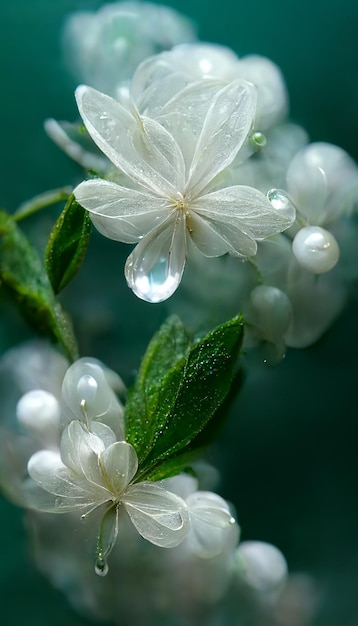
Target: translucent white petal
x=158 y=515
x=224 y=130
x=107 y=537
x=73 y=491
x=155 y=267
x=210 y=508
x=214 y=239
x=160 y=91
x=246 y=208
x=272 y=99
x=120 y=213
x=80 y=450
x=119 y=465
x=34 y=497
x=211 y=523
x=184 y=114
x=138 y=146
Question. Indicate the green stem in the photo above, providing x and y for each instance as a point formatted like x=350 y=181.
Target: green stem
x=42 y=201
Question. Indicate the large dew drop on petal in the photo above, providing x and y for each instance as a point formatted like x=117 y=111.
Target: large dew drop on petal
x=155 y=267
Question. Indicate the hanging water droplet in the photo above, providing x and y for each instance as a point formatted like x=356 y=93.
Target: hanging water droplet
x=101 y=567
x=155 y=267
x=281 y=201
x=155 y=285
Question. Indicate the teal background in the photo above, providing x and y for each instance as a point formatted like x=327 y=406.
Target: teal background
x=289 y=453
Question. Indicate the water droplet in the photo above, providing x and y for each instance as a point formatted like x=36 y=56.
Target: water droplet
x=258 y=140
x=155 y=267
x=281 y=201
x=101 y=567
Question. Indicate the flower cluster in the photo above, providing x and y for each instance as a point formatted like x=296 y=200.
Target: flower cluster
x=198 y=160
x=82 y=463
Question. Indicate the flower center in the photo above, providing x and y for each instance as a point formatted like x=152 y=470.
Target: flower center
x=180 y=203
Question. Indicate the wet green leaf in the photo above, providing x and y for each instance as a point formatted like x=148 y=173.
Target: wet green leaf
x=167 y=416
x=168 y=346
x=67 y=245
x=23 y=277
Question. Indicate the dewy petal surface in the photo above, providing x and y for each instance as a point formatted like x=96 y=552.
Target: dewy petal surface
x=225 y=128
x=244 y=207
x=215 y=238
x=138 y=146
x=155 y=267
x=120 y=213
x=73 y=491
x=119 y=465
x=211 y=521
x=80 y=450
x=185 y=113
x=159 y=516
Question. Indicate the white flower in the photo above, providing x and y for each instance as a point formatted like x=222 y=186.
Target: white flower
x=190 y=62
x=211 y=524
x=213 y=529
x=93 y=469
x=169 y=197
x=322 y=180
x=104 y=47
x=261 y=566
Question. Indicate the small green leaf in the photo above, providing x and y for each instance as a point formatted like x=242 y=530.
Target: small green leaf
x=168 y=346
x=67 y=245
x=172 y=466
x=24 y=278
x=172 y=411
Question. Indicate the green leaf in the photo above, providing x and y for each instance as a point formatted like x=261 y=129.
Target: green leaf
x=24 y=278
x=172 y=466
x=168 y=346
x=67 y=245
x=173 y=410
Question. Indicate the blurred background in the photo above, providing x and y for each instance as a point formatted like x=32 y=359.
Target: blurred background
x=288 y=456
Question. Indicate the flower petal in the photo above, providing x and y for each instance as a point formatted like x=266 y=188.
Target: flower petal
x=211 y=523
x=246 y=208
x=47 y=470
x=138 y=146
x=119 y=465
x=184 y=114
x=155 y=267
x=80 y=450
x=120 y=213
x=158 y=515
x=226 y=125
x=214 y=239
